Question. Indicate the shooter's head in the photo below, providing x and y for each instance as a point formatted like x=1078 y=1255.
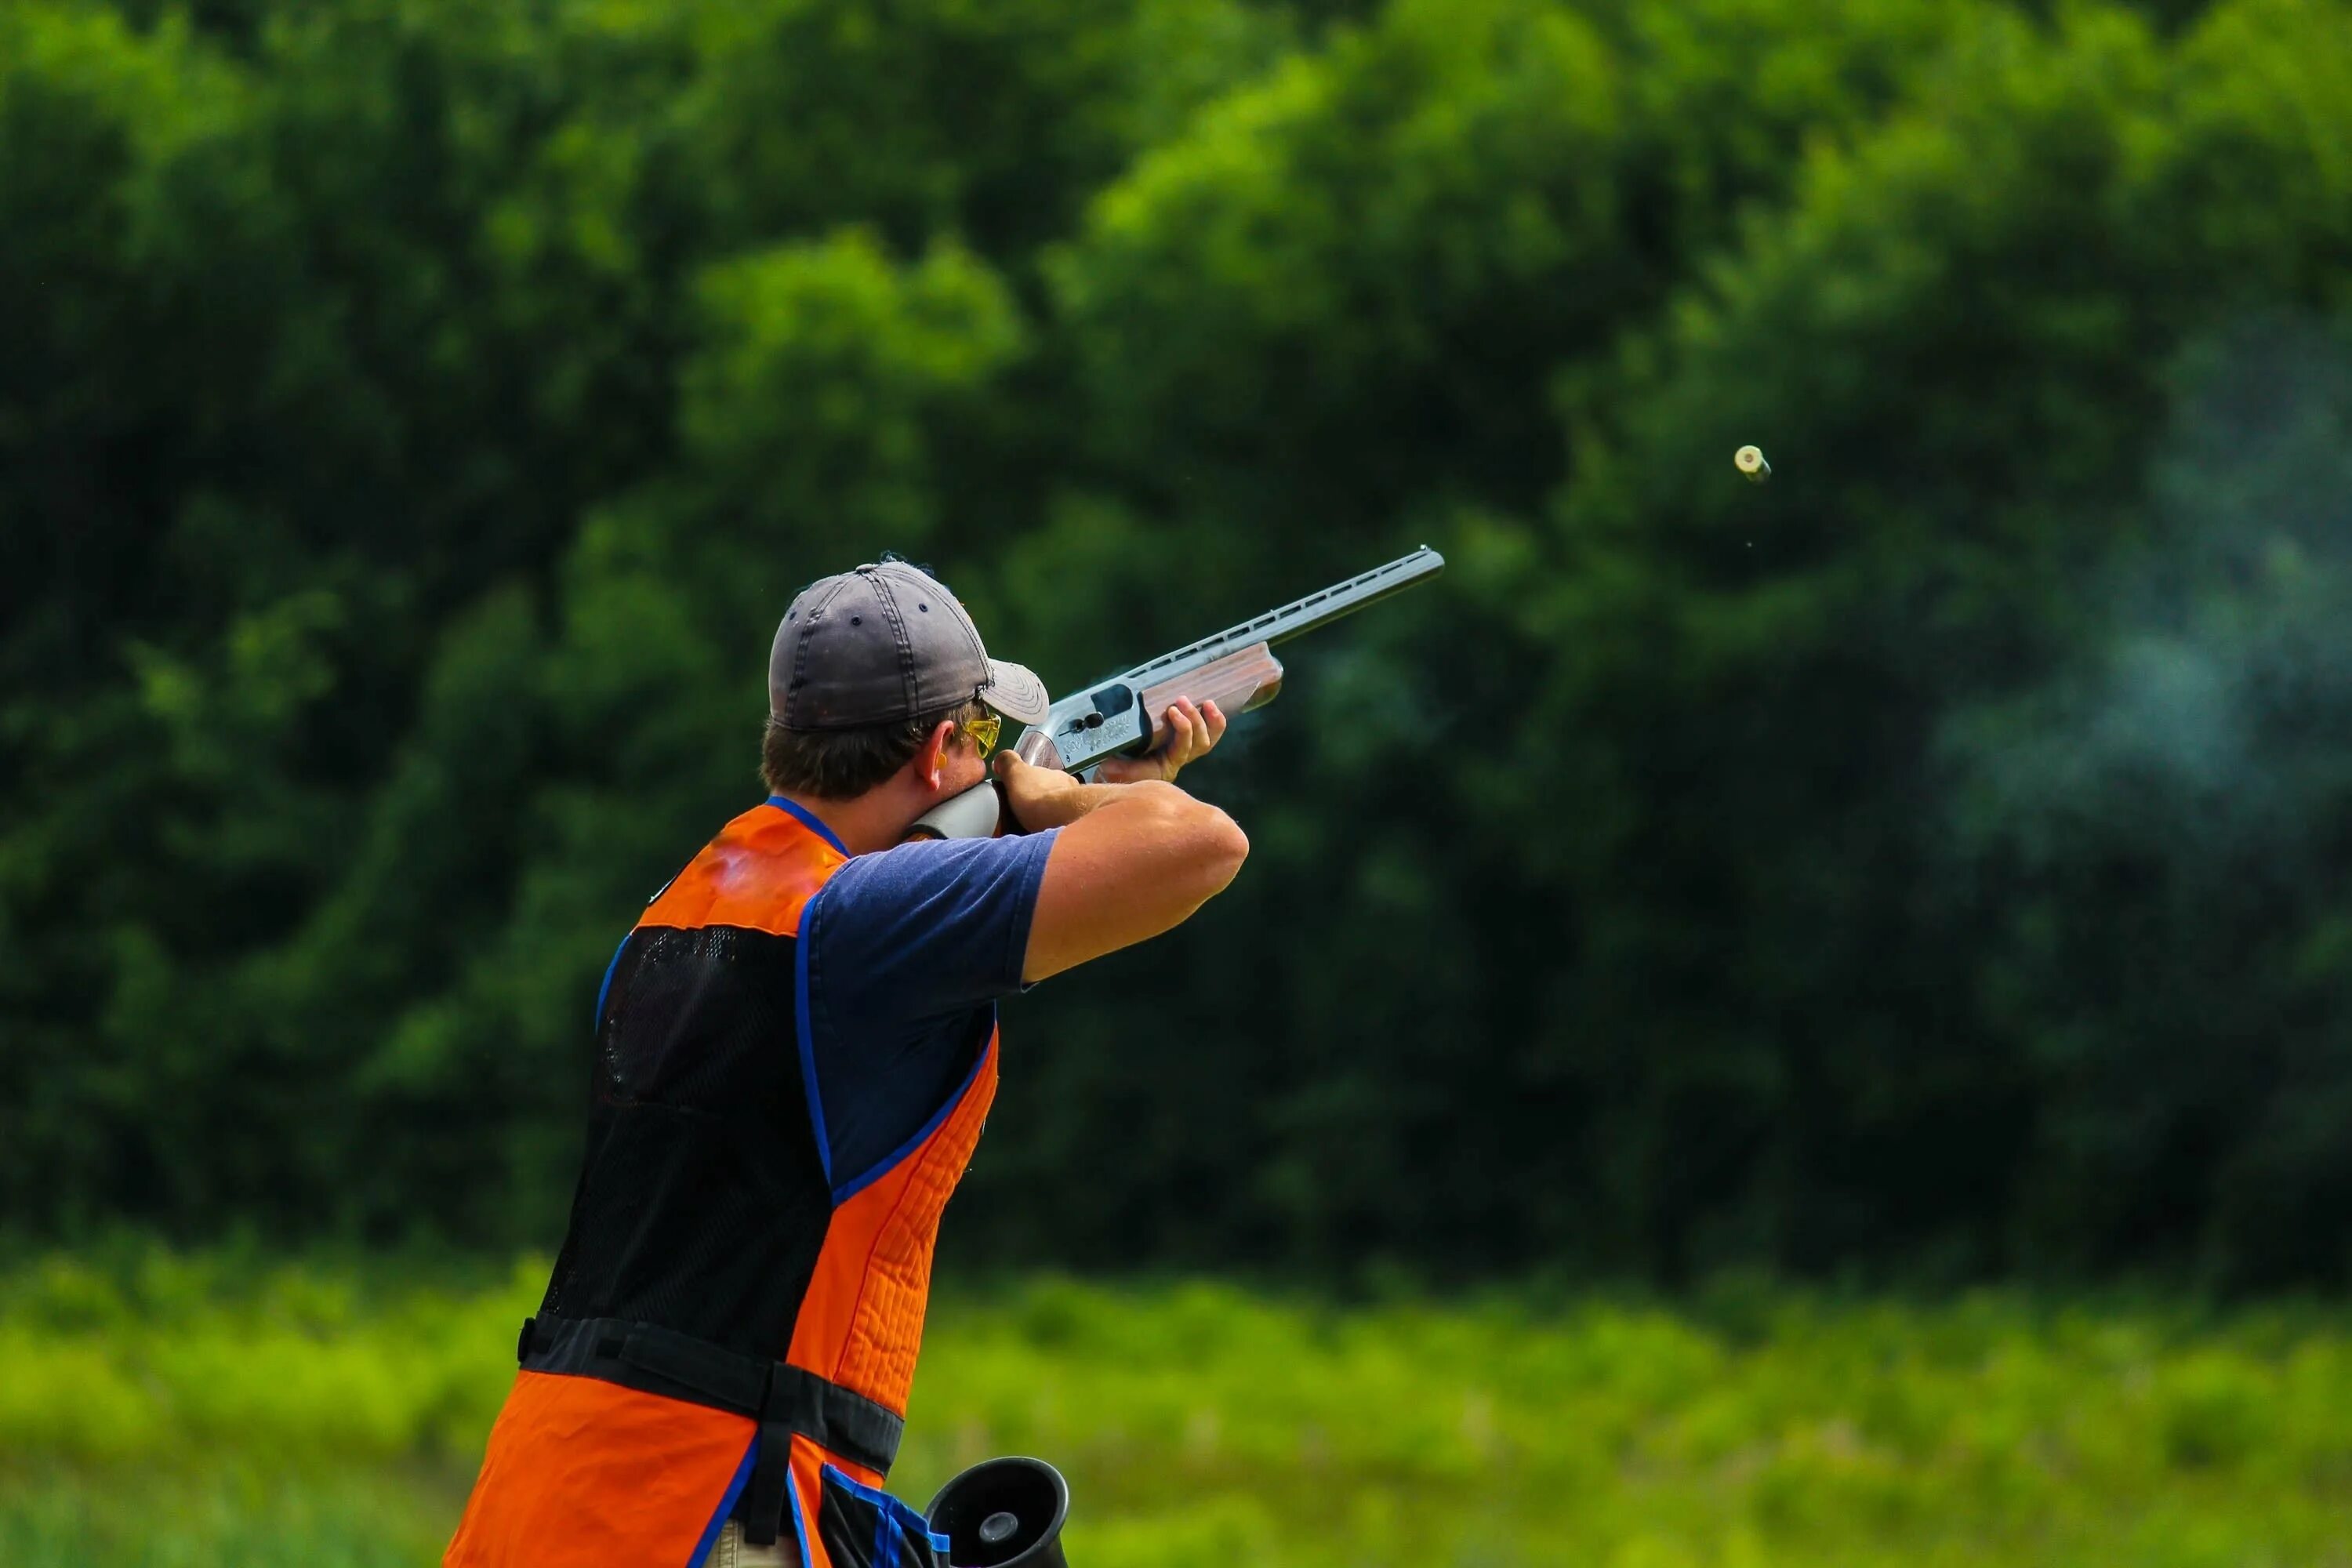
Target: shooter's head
x=879 y=678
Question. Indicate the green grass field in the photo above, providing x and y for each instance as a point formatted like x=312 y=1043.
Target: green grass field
x=176 y=1411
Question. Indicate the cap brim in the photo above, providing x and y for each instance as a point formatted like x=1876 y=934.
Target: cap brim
x=1016 y=692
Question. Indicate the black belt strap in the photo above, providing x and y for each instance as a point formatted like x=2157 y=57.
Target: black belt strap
x=785 y=1400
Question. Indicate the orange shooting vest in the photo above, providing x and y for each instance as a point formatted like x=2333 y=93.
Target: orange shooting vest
x=731 y=1326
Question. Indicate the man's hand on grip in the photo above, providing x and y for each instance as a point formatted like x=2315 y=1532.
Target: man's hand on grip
x=1038 y=798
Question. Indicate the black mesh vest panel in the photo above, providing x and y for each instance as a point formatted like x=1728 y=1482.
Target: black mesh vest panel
x=702 y=1202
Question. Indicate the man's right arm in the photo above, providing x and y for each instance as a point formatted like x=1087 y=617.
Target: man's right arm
x=1131 y=860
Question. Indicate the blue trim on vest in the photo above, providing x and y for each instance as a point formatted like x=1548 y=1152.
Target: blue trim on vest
x=800 y=1524
x=888 y=1508
x=596 y=1024
x=808 y=820
x=726 y=1504
x=801 y=1028
x=858 y=1184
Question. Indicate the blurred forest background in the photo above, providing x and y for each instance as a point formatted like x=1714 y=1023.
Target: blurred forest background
x=413 y=416
x=1931 y=872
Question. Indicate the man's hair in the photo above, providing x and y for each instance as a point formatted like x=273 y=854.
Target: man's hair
x=839 y=764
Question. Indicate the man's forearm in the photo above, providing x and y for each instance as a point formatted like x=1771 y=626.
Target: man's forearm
x=1066 y=805
x=1130 y=862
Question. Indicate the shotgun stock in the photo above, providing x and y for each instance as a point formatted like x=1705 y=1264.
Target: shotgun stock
x=1235 y=669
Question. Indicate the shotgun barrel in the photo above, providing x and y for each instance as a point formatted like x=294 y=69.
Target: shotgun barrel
x=1300 y=616
x=1237 y=669
x=1233 y=668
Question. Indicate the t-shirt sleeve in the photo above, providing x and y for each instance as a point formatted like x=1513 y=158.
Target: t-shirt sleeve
x=904 y=946
x=927 y=927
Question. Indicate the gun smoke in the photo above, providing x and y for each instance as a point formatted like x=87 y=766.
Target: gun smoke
x=2152 y=843
x=2208 y=714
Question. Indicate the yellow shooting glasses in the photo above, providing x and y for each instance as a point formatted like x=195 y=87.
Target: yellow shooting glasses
x=983 y=732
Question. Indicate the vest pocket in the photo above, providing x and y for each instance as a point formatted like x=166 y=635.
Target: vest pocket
x=863 y=1527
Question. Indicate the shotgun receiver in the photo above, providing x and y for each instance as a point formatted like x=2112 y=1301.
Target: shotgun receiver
x=1235 y=669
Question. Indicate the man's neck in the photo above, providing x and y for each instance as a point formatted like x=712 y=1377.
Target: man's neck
x=870 y=822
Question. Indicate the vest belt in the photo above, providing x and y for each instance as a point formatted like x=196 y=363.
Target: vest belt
x=786 y=1400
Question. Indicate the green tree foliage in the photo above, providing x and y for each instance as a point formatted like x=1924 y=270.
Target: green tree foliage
x=414 y=416
x=1999 y=321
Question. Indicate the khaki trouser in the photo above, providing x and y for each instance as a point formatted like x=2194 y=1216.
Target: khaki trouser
x=731 y=1550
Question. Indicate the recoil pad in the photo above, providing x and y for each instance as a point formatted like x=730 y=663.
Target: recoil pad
x=974 y=813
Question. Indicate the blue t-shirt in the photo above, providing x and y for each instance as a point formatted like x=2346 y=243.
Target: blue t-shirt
x=905 y=946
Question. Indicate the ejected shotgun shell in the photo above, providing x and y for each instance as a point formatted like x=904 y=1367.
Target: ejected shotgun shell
x=1749 y=461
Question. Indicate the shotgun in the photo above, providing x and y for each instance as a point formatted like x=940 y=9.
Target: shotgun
x=1235 y=669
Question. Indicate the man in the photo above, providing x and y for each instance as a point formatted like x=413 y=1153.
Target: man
x=796 y=1046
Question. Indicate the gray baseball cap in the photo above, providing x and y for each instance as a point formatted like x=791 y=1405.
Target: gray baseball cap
x=885 y=642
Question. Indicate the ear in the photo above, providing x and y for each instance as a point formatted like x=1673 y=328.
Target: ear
x=931 y=757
